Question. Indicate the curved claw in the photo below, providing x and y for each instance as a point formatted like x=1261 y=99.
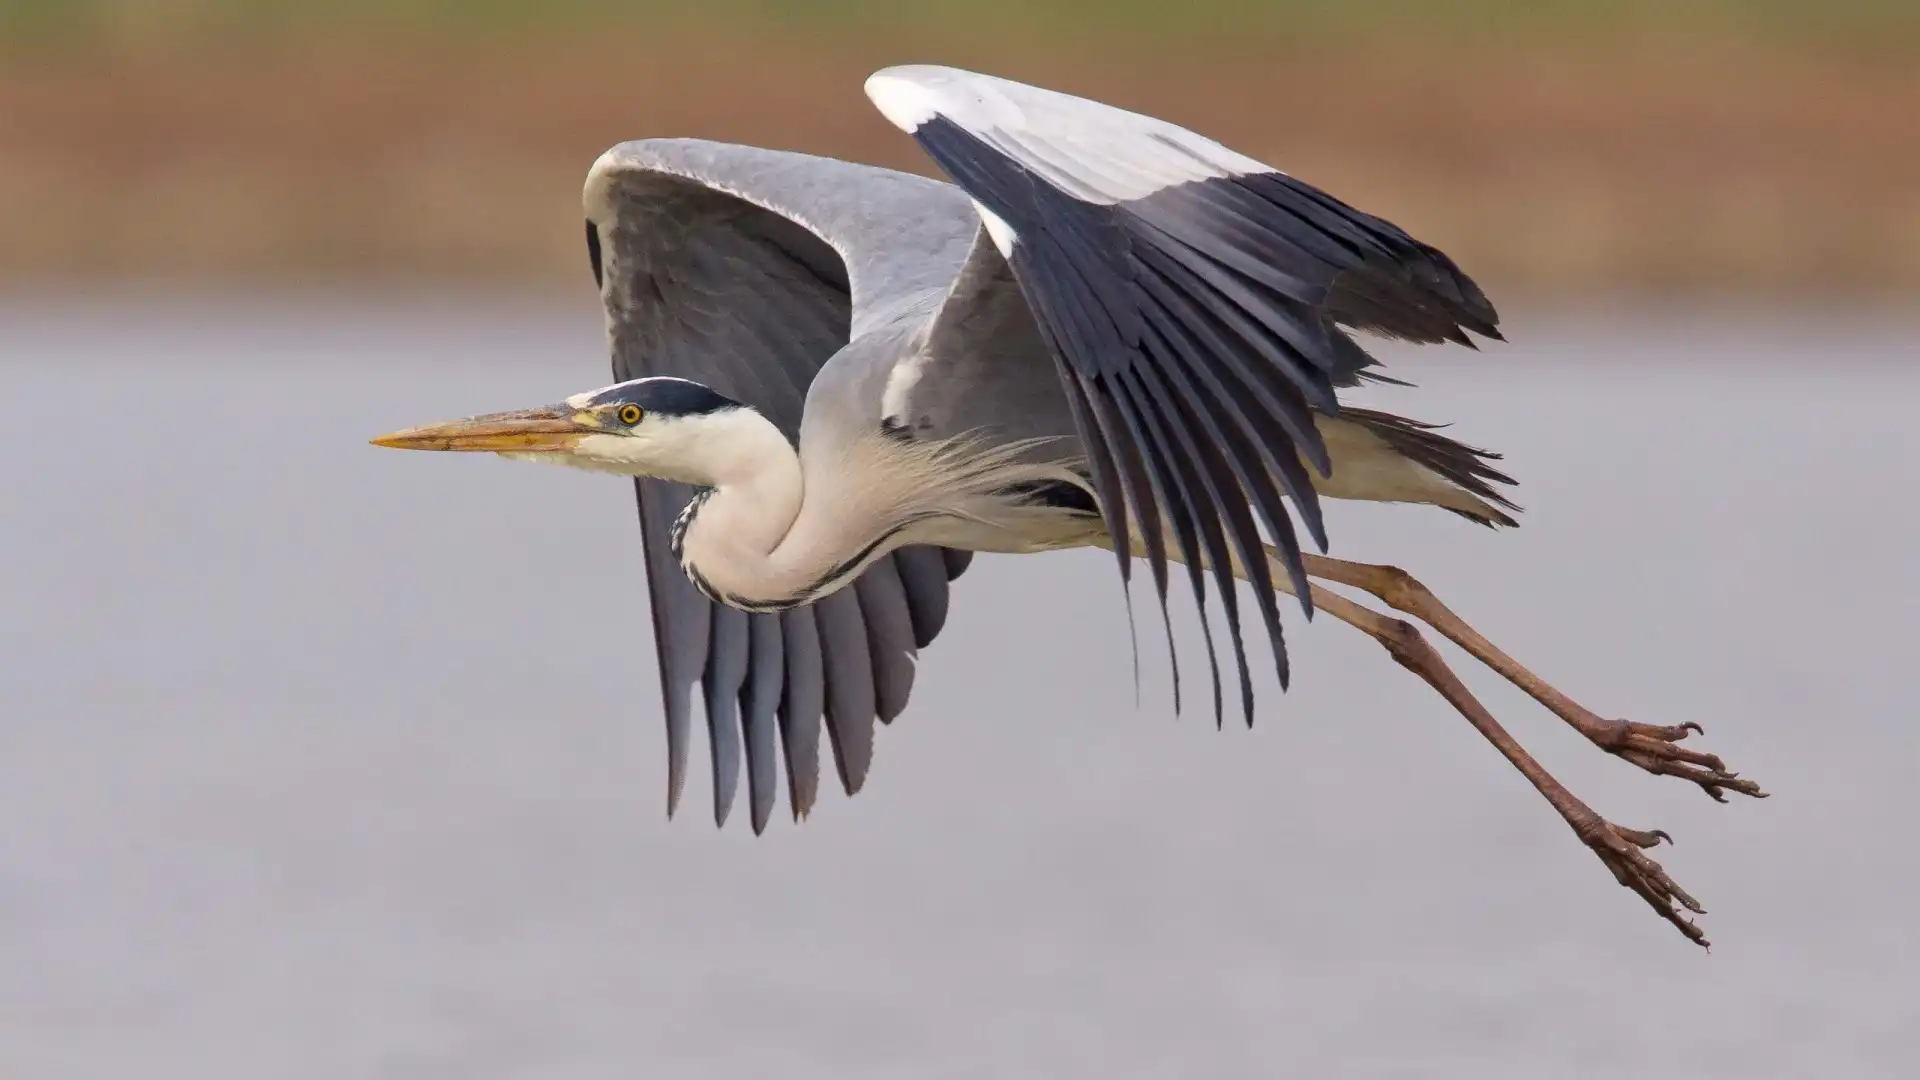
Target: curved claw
x=1645 y=838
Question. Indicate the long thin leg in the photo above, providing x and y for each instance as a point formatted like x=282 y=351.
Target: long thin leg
x=1618 y=847
x=1621 y=849
x=1652 y=748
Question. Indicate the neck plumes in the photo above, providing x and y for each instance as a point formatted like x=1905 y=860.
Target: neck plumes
x=775 y=529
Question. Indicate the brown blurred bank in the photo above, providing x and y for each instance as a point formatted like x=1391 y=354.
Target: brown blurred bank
x=1557 y=156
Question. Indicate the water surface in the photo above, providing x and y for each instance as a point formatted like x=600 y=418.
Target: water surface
x=323 y=761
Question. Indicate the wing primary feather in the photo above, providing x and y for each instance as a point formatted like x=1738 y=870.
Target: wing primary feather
x=1113 y=504
x=1420 y=277
x=957 y=562
x=1224 y=452
x=889 y=627
x=1086 y=275
x=1284 y=396
x=1151 y=493
x=1230 y=509
x=1081 y=316
x=1171 y=287
x=1366 y=297
x=1200 y=338
x=802 y=701
x=1187 y=516
x=923 y=574
x=1240 y=440
x=1238 y=240
x=1330 y=216
x=1284 y=400
x=1106 y=479
x=1229 y=485
x=1356 y=364
x=681 y=621
x=1332 y=249
x=726 y=671
x=759 y=715
x=1293 y=326
x=850 y=690
x=1140 y=506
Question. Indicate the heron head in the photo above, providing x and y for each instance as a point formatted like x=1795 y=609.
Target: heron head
x=660 y=427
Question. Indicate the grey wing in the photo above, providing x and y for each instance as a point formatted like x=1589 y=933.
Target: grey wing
x=745 y=269
x=1189 y=297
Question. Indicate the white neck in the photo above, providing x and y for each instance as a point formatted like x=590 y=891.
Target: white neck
x=753 y=540
x=733 y=546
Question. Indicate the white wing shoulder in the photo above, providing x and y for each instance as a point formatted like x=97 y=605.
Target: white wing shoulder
x=1093 y=152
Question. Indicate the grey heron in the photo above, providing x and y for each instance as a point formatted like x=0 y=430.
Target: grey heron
x=835 y=383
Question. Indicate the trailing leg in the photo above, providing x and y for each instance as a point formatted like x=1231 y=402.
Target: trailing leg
x=1651 y=747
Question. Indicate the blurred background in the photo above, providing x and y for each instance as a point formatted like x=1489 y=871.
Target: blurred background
x=321 y=761
x=1560 y=148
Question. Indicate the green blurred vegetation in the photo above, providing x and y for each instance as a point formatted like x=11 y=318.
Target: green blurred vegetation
x=189 y=23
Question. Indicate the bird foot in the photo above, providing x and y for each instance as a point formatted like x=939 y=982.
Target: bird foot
x=1657 y=750
x=1622 y=849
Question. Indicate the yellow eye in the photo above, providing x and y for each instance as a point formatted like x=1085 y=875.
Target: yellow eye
x=630 y=414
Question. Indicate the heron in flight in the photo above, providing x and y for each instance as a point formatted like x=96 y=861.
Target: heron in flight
x=835 y=383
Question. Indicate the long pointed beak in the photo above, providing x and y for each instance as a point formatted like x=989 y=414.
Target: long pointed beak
x=552 y=428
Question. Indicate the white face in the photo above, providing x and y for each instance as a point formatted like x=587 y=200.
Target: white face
x=669 y=429
x=697 y=448
x=655 y=446
x=635 y=453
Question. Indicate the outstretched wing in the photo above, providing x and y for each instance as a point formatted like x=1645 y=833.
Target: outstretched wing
x=744 y=269
x=1188 y=295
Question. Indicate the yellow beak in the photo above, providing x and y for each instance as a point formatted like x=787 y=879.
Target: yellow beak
x=553 y=428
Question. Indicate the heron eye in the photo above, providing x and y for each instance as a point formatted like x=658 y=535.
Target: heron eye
x=630 y=414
